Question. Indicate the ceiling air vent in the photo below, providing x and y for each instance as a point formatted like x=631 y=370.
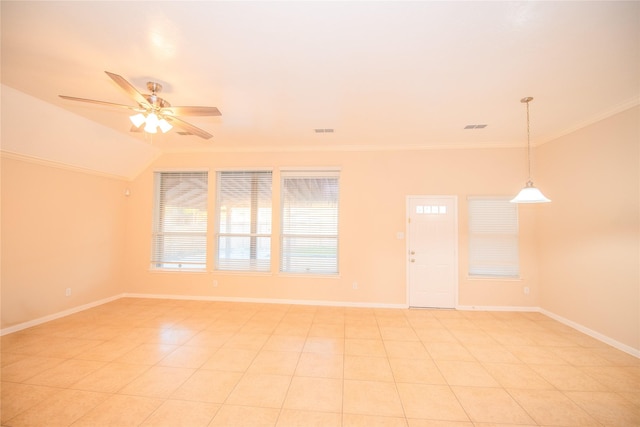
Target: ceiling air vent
x=323 y=130
x=475 y=126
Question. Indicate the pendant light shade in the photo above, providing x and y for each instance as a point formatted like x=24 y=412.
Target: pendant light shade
x=529 y=194
x=152 y=120
x=164 y=126
x=138 y=119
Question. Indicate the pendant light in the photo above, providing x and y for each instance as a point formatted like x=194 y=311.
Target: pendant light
x=529 y=194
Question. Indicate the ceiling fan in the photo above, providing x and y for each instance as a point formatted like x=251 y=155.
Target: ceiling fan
x=153 y=111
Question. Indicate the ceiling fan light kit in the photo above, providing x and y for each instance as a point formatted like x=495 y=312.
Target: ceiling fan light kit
x=164 y=125
x=138 y=119
x=151 y=123
x=529 y=194
x=159 y=113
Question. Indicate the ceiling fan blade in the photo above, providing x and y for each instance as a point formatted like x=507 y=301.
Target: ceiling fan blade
x=188 y=127
x=129 y=89
x=191 y=111
x=108 y=104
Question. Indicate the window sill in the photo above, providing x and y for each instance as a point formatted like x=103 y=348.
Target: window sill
x=170 y=270
x=310 y=276
x=240 y=273
x=494 y=278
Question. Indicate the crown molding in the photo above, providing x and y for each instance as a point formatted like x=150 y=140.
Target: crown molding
x=627 y=105
x=59 y=165
x=345 y=148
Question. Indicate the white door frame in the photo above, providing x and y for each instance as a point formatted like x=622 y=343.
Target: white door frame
x=408 y=243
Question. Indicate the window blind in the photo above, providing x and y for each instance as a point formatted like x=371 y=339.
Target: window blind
x=493 y=237
x=309 y=240
x=180 y=221
x=244 y=220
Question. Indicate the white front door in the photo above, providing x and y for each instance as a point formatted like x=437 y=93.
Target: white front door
x=432 y=251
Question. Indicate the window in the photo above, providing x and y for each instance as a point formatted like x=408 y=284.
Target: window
x=179 y=239
x=493 y=237
x=309 y=240
x=244 y=221
x=431 y=210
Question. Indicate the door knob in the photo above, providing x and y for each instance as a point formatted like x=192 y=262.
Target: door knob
x=413 y=253
x=413 y=260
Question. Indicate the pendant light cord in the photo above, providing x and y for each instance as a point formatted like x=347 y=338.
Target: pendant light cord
x=528 y=142
x=527 y=100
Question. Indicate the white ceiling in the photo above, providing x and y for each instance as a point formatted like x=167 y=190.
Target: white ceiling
x=384 y=75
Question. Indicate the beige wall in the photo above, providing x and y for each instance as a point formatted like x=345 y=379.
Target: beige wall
x=580 y=255
x=60 y=229
x=589 y=235
x=374 y=186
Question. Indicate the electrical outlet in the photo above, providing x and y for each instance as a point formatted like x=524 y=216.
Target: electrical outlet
x=526 y=290
x=215 y=283
x=67 y=292
x=355 y=285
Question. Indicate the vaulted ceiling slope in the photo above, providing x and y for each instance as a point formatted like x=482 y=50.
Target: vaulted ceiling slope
x=36 y=130
x=382 y=75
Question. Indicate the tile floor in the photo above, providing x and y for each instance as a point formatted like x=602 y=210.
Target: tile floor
x=152 y=362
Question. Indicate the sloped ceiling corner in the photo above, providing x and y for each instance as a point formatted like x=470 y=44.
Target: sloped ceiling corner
x=36 y=129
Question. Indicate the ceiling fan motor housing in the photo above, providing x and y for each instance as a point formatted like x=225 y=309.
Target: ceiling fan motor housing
x=155 y=101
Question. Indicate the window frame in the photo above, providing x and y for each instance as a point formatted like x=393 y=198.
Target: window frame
x=254 y=235
x=503 y=243
x=319 y=173
x=158 y=258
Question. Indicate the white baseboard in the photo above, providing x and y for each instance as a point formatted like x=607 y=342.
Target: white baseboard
x=590 y=332
x=54 y=316
x=497 y=308
x=269 y=301
x=593 y=334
